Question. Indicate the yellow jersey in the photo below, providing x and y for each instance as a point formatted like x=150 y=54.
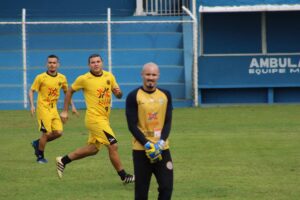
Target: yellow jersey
x=97 y=91
x=48 y=89
x=149 y=116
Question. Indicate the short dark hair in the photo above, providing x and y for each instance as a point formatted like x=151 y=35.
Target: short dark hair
x=53 y=56
x=94 y=56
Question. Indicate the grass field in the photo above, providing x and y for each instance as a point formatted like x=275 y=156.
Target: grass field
x=230 y=153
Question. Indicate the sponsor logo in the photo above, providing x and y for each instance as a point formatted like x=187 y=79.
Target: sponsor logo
x=53 y=92
x=274 y=65
x=104 y=96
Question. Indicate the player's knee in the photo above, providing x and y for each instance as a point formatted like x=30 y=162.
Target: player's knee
x=93 y=150
x=53 y=135
x=59 y=133
x=56 y=134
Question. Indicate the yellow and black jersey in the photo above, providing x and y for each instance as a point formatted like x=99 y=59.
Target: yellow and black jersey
x=48 y=89
x=97 y=91
x=149 y=116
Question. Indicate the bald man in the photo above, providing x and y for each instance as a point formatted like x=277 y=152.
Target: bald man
x=149 y=116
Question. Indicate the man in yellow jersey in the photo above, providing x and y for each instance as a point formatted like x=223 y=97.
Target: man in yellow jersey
x=97 y=86
x=48 y=85
x=149 y=116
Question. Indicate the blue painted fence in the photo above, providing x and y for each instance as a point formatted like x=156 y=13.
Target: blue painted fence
x=133 y=45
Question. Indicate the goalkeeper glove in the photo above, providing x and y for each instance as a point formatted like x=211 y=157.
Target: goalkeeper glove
x=157 y=159
x=153 y=152
x=153 y=155
x=152 y=148
x=148 y=145
x=160 y=144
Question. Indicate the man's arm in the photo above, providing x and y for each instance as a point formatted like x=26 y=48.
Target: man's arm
x=115 y=88
x=74 y=110
x=67 y=101
x=117 y=92
x=132 y=118
x=167 y=124
x=30 y=94
x=168 y=119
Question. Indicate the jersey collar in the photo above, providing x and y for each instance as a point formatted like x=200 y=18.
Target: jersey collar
x=51 y=74
x=96 y=74
x=149 y=92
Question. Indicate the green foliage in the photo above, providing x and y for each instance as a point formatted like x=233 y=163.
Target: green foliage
x=228 y=153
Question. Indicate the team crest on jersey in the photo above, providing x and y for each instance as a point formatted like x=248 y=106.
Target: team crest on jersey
x=161 y=100
x=152 y=116
x=108 y=82
x=169 y=165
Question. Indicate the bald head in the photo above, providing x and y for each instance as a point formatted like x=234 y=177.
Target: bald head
x=150 y=66
x=150 y=75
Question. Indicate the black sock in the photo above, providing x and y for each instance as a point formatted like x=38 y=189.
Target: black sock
x=40 y=154
x=65 y=160
x=122 y=174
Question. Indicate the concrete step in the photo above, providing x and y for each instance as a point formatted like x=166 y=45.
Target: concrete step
x=166 y=56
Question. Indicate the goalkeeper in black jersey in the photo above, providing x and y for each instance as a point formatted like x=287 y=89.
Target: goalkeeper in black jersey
x=149 y=116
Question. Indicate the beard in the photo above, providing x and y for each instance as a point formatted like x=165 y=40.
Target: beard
x=150 y=85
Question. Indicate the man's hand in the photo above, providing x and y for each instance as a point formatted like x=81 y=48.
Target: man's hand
x=160 y=144
x=117 y=92
x=74 y=111
x=153 y=152
x=153 y=155
x=149 y=145
x=64 y=116
x=32 y=110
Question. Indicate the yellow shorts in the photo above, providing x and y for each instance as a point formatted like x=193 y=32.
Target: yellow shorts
x=49 y=120
x=100 y=133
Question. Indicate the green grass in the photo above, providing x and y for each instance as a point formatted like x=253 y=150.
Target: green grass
x=230 y=153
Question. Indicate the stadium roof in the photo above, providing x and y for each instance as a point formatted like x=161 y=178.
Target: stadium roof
x=250 y=8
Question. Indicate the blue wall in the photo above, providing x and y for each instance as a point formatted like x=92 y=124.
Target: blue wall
x=65 y=9
x=232 y=33
x=133 y=45
x=233 y=67
x=232 y=42
x=244 y=2
x=249 y=71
